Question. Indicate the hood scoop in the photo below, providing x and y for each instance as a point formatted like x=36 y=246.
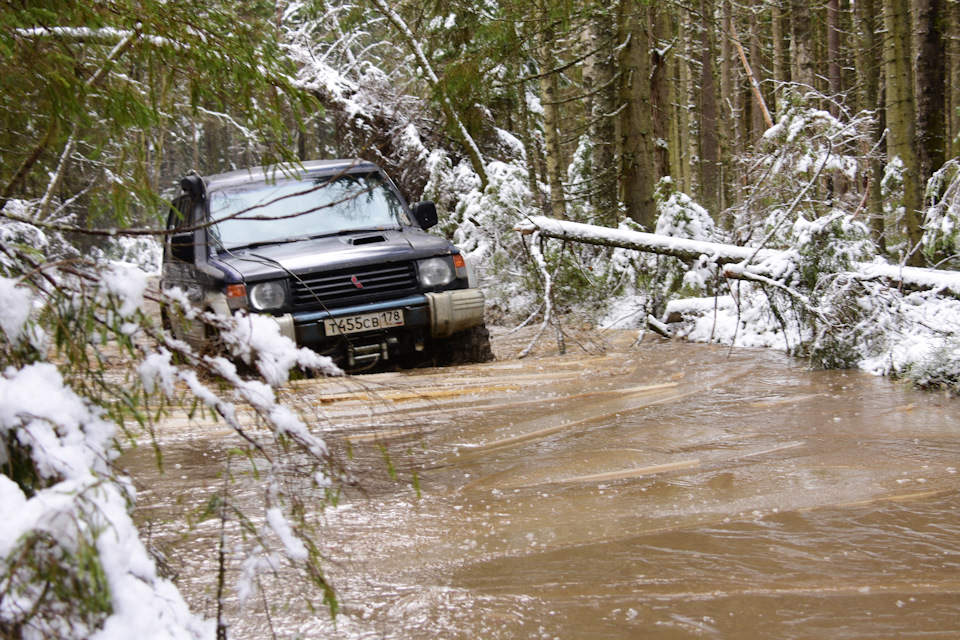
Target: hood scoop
x=366 y=239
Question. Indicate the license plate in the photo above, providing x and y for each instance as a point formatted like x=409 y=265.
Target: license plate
x=363 y=322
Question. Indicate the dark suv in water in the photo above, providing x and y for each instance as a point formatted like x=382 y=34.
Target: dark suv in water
x=333 y=253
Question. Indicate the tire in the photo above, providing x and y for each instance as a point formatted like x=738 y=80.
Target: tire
x=212 y=344
x=165 y=322
x=470 y=346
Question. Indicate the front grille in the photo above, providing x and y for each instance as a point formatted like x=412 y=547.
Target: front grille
x=337 y=288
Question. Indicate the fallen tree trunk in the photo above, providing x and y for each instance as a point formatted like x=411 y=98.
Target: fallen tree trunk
x=742 y=261
x=649 y=242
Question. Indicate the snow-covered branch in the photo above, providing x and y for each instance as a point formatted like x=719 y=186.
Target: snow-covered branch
x=768 y=261
x=105 y=35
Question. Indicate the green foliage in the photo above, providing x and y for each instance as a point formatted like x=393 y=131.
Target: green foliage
x=89 y=90
x=583 y=280
x=829 y=245
x=20 y=467
x=65 y=589
x=471 y=43
x=838 y=328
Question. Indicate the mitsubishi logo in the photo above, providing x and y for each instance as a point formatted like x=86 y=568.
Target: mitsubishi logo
x=356 y=282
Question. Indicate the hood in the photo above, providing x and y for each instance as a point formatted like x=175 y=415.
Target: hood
x=335 y=252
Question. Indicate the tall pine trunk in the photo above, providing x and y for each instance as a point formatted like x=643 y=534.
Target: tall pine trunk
x=603 y=106
x=636 y=135
x=953 y=84
x=931 y=88
x=802 y=70
x=685 y=148
x=758 y=123
x=901 y=118
x=868 y=70
x=833 y=55
x=551 y=115
x=709 y=136
x=660 y=21
x=781 y=59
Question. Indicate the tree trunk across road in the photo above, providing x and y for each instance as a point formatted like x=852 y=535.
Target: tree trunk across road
x=739 y=261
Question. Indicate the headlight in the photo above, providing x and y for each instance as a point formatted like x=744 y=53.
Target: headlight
x=267 y=295
x=436 y=271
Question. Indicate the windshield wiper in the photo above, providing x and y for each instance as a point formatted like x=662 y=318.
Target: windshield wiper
x=261 y=243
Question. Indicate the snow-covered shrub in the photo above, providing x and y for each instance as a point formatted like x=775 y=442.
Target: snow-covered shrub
x=938 y=369
x=71 y=561
x=481 y=223
x=941 y=228
x=681 y=217
x=911 y=335
x=825 y=305
x=446 y=187
x=143 y=252
x=830 y=244
x=803 y=198
x=891 y=186
x=837 y=317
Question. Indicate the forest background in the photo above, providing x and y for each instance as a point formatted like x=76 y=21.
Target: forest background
x=828 y=130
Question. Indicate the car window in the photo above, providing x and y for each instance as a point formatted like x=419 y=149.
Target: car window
x=176 y=216
x=261 y=212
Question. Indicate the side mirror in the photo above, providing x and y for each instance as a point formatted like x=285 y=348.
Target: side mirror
x=183 y=247
x=193 y=185
x=425 y=213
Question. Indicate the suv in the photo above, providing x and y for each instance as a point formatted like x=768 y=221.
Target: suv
x=331 y=250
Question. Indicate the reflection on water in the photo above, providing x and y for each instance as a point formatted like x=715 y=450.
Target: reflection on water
x=661 y=491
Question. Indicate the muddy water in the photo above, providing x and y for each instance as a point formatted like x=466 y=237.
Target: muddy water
x=661 y=490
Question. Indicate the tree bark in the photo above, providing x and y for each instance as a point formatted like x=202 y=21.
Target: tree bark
x=730 y=107
x=781 y=59
x=709 y=136
x=602 y=129
x=686 y=144
x=761 y=118
x=636 y=139
x=801 y=44
x=953 y=66
x=551 y=114
x=901 y=118
x=659 y=90
x=868 y=70
x=931 y=88
x=833 y=55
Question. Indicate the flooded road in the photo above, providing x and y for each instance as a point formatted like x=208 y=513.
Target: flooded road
x=659 y=490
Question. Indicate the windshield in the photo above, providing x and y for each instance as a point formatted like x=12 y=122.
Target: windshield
x=261 y=213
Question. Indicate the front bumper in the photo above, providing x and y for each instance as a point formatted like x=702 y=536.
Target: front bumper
x=437 y=315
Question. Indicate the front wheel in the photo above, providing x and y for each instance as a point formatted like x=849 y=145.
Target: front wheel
x=465 y=347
